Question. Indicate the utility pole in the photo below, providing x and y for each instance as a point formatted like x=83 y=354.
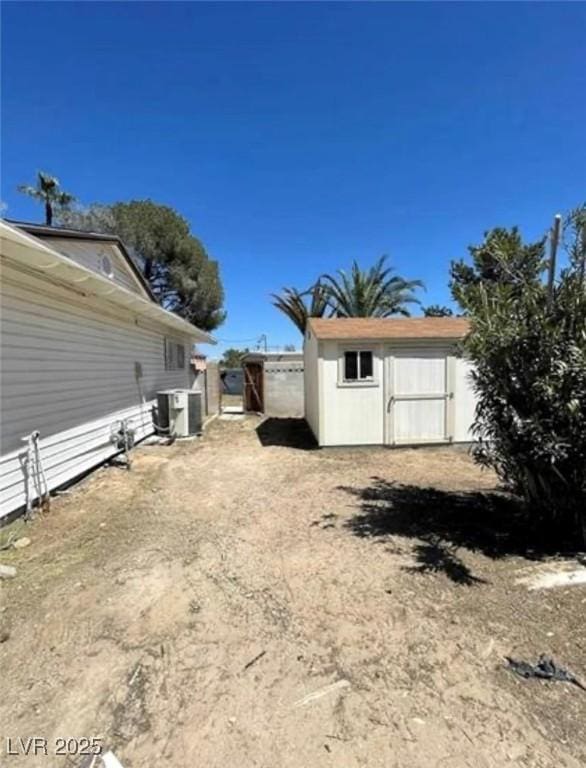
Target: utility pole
x=554 y=240
x=263 y=340
x=582 y=246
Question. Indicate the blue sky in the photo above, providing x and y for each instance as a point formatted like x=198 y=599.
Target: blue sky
x=296 y=137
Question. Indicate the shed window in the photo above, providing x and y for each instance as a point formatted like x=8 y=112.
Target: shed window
x=358 y=365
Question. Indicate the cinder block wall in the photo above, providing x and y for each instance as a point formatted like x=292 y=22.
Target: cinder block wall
x=283 y=388
x=212 y=388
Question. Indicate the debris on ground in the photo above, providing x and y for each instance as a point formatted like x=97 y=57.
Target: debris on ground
x=322 y=692
x=545 y=669
x=7 y=571
x=21 y=543
x=567 y=579
x=11 y=534
x=547 y=576
x=107 y=760
x=253 y=661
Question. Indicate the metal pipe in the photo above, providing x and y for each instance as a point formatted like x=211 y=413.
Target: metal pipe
x=554 y=240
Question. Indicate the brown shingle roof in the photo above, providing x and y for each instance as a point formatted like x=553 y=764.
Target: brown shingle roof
x=345 y=328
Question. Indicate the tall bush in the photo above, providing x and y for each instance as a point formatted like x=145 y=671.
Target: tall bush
x=528 y=351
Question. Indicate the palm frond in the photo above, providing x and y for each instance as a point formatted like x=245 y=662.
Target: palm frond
x=292 y=303
x=49 y=192
x=375 y=292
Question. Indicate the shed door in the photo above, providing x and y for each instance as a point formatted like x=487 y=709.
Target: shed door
x=417 y=396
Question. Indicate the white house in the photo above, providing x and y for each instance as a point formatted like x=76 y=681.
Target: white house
x=84 y=349
x=371 y=381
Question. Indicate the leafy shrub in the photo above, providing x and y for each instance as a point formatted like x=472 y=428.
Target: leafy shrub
x=528 y=351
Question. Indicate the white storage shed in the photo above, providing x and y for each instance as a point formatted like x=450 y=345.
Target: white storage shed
x=396 y=381
x=84 y=347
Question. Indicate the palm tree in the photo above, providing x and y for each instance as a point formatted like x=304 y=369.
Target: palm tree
x=437 y=310
x=49 y=193
x=370 y=293
x=293 y=304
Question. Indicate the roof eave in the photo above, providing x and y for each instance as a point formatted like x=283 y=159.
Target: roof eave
x=384 y=339
x=41 y=231
x=19 y=245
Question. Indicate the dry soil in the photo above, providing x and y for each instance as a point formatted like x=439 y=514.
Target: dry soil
x=244 y=600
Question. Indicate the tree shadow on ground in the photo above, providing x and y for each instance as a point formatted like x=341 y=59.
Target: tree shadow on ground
x=492 y=523
x=287 y=433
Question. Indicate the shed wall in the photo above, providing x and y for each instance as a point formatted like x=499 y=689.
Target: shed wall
x=311 y=383
x=352 y=414
x=72 y=368
x=465 y=404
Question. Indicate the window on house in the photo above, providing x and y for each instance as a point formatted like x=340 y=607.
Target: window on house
x=174 y=356
x=358 y=365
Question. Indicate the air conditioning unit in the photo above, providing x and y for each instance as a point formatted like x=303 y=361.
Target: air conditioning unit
x=180 y=412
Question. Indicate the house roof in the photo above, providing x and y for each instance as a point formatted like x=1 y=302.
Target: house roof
x=33 y=253
x=357 y=328
x=43 y=231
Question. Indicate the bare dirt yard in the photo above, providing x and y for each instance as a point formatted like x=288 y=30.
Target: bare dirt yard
x=244 y=600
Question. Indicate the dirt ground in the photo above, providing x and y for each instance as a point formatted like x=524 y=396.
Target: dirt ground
x=243 y=600
x=232 y=401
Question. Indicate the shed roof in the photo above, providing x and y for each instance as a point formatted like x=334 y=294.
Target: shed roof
x=357 y=328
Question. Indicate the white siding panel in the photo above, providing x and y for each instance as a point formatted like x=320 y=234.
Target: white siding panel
x=89 y=254
x=69 y=369
x=419 y=420
x=352 y=414
x=311 y=384
x=420 y=374
x=465 y=402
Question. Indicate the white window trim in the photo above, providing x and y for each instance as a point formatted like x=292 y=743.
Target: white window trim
x=362 y=383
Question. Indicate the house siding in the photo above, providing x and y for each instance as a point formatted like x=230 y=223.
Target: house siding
x=89 y=255
x=72 y=368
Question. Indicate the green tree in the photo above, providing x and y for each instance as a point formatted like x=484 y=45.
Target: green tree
x=299 y=306
x=528 y=351
x=374 y=292
x=436 y=310
x=48 y=191
x=92 y=218
x=502 y=259
x=175 y=263
x=232 y=357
